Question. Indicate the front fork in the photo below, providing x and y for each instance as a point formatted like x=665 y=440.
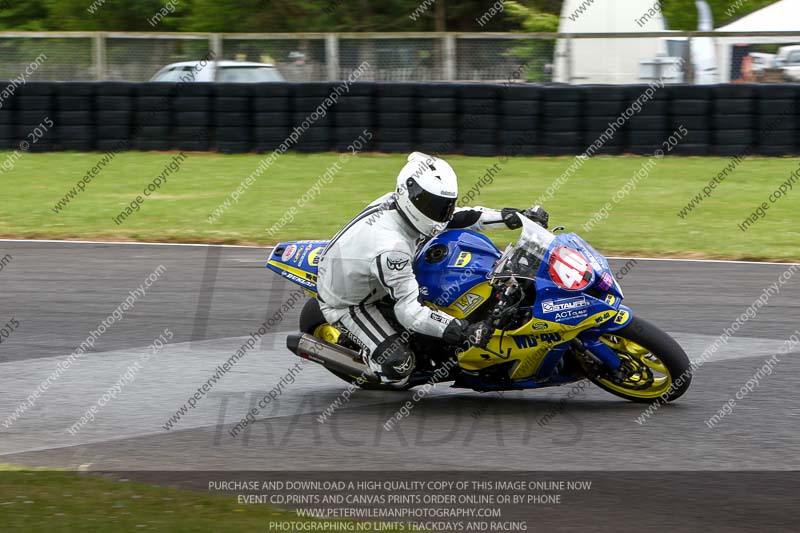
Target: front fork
x=589 y=344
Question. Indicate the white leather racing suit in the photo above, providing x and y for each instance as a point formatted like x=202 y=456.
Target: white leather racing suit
x=373 y=256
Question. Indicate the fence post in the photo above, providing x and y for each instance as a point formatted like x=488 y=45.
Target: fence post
x=449 y=56
x=568 y=59
x=100 y=62
x=215 y=46
x=332 y=56
x=688 y=65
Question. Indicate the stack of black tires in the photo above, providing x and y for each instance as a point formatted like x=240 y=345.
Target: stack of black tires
x=152 y=118
x=603 y=107
x=395 y=117
x=478 y=119
x=35 y=109
x=75 y=117
x=690 y=109
x=519 y=119
x=269 y=105
x=562 y=110
x=437 y=107
x=115 y=103
x=7 y=123
x=777 y=115
x=441 y=118
x=314 y=123
x=232 y=117
x=648 y=124
x=192 y=111
x=733 y=114
x=354 y=112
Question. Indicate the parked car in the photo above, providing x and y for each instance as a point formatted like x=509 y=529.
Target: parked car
x=788 y=60
x=761 y=61
x=221 y=71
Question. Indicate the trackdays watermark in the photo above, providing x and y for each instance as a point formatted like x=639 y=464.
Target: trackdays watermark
x=272 y=395
x=288 y=422
x=9 y=90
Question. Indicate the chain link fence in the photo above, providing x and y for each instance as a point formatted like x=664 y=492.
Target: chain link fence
x=705 y=57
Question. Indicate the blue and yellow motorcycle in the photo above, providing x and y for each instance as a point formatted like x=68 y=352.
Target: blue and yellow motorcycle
x=553 y=301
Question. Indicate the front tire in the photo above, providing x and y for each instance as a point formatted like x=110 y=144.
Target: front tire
x=659 y=370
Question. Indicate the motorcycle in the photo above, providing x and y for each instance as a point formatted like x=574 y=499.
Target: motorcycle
x=552 y=299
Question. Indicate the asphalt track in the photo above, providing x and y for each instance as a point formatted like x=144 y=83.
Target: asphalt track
x=211 y=298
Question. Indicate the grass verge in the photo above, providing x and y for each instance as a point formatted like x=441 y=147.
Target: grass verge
x=645 y=221
x=48 y=500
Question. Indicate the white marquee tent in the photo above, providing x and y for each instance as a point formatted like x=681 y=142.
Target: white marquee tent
x=783 y=15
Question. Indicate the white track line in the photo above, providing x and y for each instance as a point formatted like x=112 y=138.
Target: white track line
x=127 y=243
x=267 y=247
x=700 y=260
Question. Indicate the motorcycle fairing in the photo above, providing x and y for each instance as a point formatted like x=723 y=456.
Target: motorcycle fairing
x=558 y=316
x=453 y=263
x=298 y=262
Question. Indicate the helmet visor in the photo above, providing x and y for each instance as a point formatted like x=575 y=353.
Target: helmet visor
x=431 y=205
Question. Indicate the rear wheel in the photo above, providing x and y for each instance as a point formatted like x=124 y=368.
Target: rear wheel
x=653 y=364
x=312 y=322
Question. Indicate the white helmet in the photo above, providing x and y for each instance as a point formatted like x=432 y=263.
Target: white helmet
x=427 y=190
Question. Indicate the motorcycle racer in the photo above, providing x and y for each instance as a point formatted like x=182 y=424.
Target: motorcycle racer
x=372 y=258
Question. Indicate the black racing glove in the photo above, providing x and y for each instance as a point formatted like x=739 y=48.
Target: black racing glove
x=538 y=215
x=511 y=216
x=461 y=331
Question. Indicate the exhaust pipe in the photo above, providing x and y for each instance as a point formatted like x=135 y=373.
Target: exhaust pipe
x=331 y=356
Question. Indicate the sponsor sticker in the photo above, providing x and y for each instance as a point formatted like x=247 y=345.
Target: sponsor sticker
x=565 y=304
x=463 y=259
x=468 y=302
x=288 y=252
x=297 y=279
x=314 y=256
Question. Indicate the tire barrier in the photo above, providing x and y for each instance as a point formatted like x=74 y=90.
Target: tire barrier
x=444 y=118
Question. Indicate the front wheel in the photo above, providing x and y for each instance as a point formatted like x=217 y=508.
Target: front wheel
x=654 y=366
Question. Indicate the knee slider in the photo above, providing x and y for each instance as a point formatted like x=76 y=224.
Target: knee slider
x=394 y=357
